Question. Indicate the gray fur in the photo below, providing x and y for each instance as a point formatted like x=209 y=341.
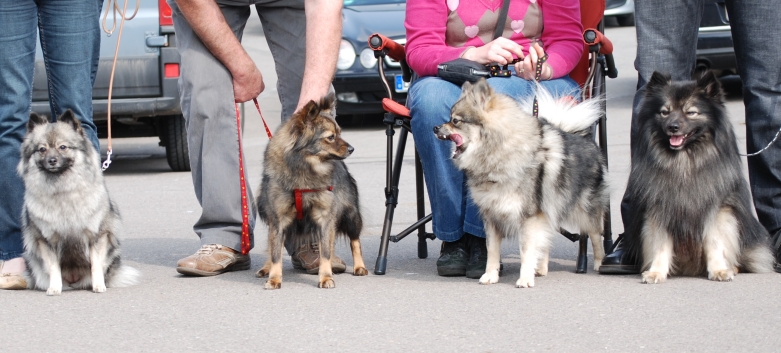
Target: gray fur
x=70 y=226
x=691 y=207
x=529 y=177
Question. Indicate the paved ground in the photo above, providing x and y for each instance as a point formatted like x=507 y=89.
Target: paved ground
x=408 y=309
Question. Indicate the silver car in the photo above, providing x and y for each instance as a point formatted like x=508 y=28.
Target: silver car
x=145 y=97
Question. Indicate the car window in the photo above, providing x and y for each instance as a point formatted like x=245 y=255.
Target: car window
x=372 y=2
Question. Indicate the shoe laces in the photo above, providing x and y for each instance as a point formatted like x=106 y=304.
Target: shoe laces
x=207 y=249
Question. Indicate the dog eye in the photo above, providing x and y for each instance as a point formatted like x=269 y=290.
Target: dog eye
x=664 y=112
x=456 y=121
x=42 y=149
x=63 y=147
x=331 y=138
x=692 y=113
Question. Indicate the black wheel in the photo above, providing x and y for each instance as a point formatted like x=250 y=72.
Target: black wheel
x=626 y=20
x=176 y=149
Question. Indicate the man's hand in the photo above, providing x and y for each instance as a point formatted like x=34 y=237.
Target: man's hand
x=207 y=21
x=247 y=82
x=323 y=34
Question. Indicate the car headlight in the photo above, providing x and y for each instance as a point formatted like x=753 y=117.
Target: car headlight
x=367 y=58
x=346 y=55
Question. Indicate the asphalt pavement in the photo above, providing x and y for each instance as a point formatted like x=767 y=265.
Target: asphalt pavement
x=410 y=308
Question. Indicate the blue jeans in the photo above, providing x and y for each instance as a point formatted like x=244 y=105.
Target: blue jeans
x=430 y=100
x=70 y=40
x=667 y=42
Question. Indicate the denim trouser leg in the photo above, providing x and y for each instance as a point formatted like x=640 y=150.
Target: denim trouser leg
x=756 y=31
x=666 y=42
x=70 y=40
x=430 y=100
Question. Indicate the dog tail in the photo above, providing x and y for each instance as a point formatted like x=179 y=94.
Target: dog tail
x=565 y=112
x=759 y=259
x=124 y=276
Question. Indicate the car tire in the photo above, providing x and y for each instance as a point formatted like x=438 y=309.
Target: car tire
x=626 y=20
x=176 y=148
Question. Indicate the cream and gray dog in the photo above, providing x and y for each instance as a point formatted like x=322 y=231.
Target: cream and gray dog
x=529 y=177
x=70 y=226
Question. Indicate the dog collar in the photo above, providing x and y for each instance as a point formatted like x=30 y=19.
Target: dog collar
x=299 y=193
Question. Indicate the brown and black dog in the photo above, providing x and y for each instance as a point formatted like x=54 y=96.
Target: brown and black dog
x=307 y=193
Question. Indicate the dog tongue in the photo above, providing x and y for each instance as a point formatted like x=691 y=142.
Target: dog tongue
x=676 y=140
x=457 y=139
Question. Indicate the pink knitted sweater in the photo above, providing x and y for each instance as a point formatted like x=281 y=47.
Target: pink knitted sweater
x=440 y=30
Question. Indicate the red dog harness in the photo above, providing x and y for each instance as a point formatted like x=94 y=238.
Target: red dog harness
x=299 y=193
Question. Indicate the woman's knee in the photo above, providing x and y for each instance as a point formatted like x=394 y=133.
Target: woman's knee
x=430 y=99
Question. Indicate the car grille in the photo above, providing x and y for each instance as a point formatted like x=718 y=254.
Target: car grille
x=393 y=63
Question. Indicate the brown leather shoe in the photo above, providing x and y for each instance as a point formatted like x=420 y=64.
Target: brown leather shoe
x=307 y=257
x=213 y=259
x=11 y=281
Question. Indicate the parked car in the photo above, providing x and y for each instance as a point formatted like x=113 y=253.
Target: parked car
x=145 y=96
x=622 y=10
x=714 y=41
x=359 y=89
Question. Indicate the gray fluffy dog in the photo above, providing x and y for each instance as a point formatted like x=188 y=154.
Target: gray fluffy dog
x=70 y=226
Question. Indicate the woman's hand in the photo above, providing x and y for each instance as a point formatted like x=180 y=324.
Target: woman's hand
x=526 y=69
x=500 y=50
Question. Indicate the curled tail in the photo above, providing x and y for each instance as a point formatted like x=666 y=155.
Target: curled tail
x=565 y=114
x=124 y=276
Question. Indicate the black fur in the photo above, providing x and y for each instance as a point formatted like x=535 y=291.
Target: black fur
x=685 y=186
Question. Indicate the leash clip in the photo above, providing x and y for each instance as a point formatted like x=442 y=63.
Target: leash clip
x=107 y=162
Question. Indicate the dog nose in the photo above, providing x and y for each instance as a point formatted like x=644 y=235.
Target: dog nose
x=436 y=129
x=673 y=127
x=52 y=161
x=350 y=149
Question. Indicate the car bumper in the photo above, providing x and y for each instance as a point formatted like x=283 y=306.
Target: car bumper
x=368 y=93
x=715 y=50
x=627 y=8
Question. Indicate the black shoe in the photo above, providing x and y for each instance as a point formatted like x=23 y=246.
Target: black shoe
x=618 y=262
x=478 y=256
x=452 y=258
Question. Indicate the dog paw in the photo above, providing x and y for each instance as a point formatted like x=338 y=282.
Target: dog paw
x=263 y=272
x=525 y=282
x=99 y=288
x=327 y=282
x=54 y=291
x=360 y=271
x=541 y=272
x=597 y=264
x=653 y=277
x=489 y=277
x=273 y=283
x=721 y=275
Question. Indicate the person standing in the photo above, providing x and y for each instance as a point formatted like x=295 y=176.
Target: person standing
x=69 y=32
x=217 y=72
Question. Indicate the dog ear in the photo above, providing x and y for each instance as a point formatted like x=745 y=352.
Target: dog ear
x=478 y=93
x=658 y=80
x=35 y=120
x=710 y=85
x=69 y=118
